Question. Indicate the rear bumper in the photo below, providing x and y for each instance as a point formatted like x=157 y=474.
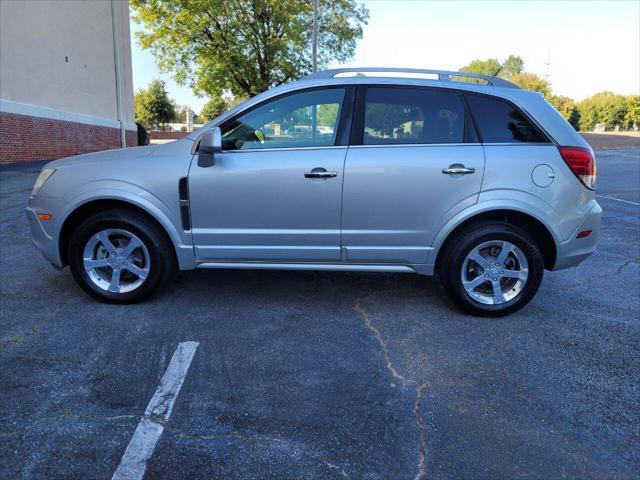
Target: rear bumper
x=47 y=245
x=576 y=250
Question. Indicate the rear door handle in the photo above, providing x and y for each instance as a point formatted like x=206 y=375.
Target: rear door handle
x=320 y=174
x=458 y=170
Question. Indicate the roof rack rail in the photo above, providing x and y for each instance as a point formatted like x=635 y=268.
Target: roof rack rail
x=441 y=74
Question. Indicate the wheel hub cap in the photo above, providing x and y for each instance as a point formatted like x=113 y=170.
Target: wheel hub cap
x=116 y=260
x=494 y=272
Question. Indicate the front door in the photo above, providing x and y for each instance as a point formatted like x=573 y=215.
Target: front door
x=275 y=191
x=416 y=164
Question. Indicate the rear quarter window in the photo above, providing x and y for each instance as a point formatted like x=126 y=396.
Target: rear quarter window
x=500 y=122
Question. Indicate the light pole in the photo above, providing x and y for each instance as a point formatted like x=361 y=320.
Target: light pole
x=314 y=37
x=314 y=65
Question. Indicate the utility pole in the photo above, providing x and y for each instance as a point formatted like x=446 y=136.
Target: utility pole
x=314 y=37
x=314 y=66
x=547 y=65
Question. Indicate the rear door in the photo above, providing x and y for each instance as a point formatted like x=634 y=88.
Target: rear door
x=414 y=163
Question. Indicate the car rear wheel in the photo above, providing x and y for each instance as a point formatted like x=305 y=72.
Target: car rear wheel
x=120 y=256
x=491 y=269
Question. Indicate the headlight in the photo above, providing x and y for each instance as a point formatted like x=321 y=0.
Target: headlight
x=45 y=174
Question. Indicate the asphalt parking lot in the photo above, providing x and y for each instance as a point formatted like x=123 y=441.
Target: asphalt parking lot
x=326 y=375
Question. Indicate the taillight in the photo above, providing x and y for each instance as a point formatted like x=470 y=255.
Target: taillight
x=582 y=163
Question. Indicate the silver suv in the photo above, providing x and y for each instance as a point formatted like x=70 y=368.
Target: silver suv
x=373 y=169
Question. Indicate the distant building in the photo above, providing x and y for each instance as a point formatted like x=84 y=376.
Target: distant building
x=65 y=78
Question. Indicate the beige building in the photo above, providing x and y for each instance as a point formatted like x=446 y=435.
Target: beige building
x=65 y=78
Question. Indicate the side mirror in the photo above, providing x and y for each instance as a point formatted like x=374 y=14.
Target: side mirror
x=210 y=144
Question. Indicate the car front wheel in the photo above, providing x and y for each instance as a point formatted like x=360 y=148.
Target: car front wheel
x=491 y=269
x=120 y=256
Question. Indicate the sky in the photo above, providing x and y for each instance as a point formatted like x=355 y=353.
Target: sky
x=584 y=46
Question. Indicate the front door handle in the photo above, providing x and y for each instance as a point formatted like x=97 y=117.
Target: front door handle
x=320 y=173
x=457 y=169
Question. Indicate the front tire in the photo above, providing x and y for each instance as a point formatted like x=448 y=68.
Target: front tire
x=120 y=256
x=491 y=269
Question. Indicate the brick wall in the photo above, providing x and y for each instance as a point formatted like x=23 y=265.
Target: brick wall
x=24 y=138
x=155 y=135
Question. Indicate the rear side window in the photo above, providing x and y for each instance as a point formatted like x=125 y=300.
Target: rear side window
x=500 y=122
x=412 y=116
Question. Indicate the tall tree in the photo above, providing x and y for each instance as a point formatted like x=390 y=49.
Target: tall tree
x=530 y=81
x=214 y=107
x=513 y=65
x=604 y=107
x=483 y=67
x=632 y=114
x=245 y=46
x=511 y=69
x=153 y=107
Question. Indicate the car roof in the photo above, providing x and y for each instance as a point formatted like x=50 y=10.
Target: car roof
x=383 y=76
x=442 y=75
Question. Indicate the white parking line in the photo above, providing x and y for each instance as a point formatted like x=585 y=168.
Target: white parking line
x=618 y=199
x=147 y=434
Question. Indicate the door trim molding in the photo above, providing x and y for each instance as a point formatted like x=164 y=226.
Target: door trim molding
x=336 y=267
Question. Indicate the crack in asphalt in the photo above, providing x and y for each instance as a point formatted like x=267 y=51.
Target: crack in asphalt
x=627 y=263
x=419 y=388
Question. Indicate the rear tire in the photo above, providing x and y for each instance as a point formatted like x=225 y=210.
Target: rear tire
x=482 y=281
x=120 y=256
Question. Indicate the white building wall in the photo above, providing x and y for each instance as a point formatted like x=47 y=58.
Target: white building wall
x=57 y=58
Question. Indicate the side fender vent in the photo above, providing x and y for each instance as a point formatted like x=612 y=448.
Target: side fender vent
x=183 y=195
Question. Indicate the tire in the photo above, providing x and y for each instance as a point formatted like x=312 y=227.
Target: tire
x=481 y=286
x=139 y=273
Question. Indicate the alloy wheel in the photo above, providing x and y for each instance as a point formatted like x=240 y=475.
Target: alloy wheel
x=116 y=260
x=494 y=272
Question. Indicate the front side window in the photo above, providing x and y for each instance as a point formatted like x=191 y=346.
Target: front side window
x=306 y=119
x=500 y=122
x=412 y=116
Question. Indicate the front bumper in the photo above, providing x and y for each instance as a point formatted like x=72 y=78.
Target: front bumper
x=576 y=250
x=44 y=242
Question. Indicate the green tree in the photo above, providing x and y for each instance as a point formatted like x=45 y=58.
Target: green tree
x=567 y=108
x=245 y=46
x=214 y=107
x=513 y=65
x=483 y=67
x=603 y=107
x=153 y=107
x=632 y=115
x=530 y=81
x=511 y=69
x=328 y=114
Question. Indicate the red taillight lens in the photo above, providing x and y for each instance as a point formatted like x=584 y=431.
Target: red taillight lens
x=582 y=163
